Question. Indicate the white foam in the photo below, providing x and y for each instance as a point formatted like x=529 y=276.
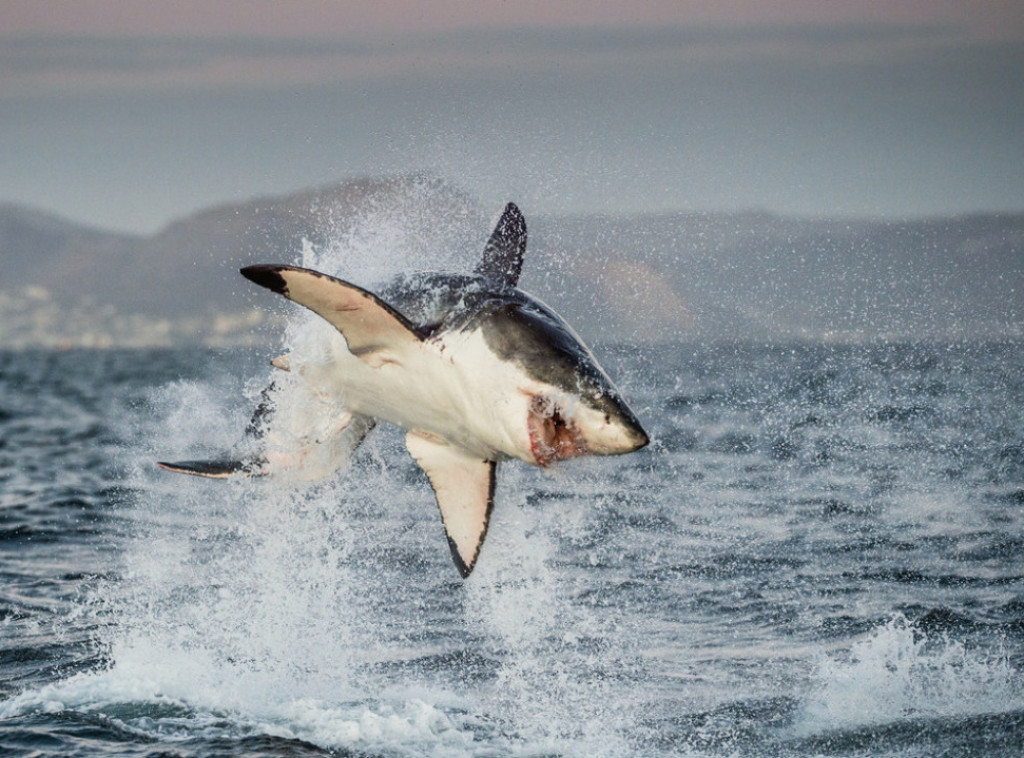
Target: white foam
x=242 y=609
x=169 y=702
x=898 y=672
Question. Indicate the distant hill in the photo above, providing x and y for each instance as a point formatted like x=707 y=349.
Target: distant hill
x=650 y=278
x=768 y=277
x=66 y=284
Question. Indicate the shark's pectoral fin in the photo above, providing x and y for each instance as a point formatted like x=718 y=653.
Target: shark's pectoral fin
x=374 y=330
x=464 y=487
x=347 y=435
x=316 y=457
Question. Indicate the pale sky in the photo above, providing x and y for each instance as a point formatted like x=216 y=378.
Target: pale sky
x=332 y=18
x=131 y=114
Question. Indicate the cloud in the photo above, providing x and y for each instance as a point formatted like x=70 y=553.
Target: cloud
x=63 y=65
x=54 y=65
x=849 y=120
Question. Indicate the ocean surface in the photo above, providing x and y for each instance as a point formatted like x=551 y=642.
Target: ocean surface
x=820 y=553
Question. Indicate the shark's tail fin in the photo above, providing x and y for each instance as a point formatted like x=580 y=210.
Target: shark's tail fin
x=211 y=469
x=309 y=457
x=226 y=467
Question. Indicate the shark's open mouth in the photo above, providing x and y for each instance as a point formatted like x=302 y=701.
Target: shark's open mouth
x=553 y=436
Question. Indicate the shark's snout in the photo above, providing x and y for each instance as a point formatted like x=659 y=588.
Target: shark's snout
x=614 y=432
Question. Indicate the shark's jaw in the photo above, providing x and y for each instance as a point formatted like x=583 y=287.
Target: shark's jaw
x=567 y=428
x=553 y=436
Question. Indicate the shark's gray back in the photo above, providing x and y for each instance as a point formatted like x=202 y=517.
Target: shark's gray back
x=518 y=327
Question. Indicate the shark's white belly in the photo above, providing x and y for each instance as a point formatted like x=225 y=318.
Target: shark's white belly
x=452 y=387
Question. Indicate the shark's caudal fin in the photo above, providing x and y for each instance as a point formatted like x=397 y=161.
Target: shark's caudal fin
x=209 y=469
x=226 y=467
x=374 y=330
x=464 y=487
x=503 y=253
x=311 y=458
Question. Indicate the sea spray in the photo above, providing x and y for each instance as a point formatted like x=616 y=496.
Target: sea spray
x=248 y=575
x=899 y=672
x=418 y=226
x=561 y=684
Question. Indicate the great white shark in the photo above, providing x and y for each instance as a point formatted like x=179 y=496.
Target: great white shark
x=475 y=370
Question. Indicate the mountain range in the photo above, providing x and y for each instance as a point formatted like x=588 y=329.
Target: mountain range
x=648 y=278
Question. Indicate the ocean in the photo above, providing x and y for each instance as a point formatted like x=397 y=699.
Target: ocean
x=820 y=553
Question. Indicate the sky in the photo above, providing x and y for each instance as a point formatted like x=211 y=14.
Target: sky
x=129 y=115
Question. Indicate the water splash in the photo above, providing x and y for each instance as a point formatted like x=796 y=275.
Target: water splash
x=420 y=224
x=898 y=672
x=250 y=608
x=562 y=680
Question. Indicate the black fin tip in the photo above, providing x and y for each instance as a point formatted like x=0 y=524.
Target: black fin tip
x=268 y=276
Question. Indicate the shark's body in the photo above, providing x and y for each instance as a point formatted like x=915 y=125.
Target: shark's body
x=475 y=370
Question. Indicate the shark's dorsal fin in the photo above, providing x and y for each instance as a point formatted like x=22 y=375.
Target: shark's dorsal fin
x=374 y=330
x=503 y=254
x=464 y=487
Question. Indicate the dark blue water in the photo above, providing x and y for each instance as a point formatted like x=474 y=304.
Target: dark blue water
x=821 y=553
